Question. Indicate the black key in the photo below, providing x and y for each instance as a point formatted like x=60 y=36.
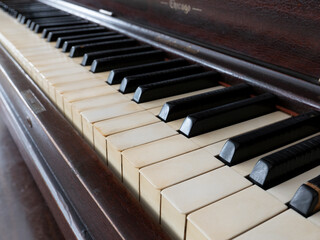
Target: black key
x=131 y=83
x=223 y=116
x=176 y=86
x=125 y=60
x=61 y=40
x=31 y=22
x=69 y=44
x=53 y=36
x=15 y=13
x=263 y=140
x=88 y=58
x=180 y=108
x=80 y=50
x=46 y=31
x=38 y=27
x=116 y=75
x=280 y=166
x=53 y=14
x=306 y=200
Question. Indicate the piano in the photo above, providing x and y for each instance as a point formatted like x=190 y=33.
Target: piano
x=171 y=119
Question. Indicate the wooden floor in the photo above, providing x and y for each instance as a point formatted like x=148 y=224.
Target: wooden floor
x=23 y=212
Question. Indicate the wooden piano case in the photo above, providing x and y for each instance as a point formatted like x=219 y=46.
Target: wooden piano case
x=271 y=45
x=85 y=198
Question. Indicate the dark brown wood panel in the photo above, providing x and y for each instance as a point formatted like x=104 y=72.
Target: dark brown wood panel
x=23 y=212
x=272 y=33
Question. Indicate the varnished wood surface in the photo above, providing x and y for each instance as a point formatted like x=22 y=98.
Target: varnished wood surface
x=296 y=92
x=273 y=33
x=23 y=212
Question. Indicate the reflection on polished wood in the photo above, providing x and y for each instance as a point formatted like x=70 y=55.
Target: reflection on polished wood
x=23 y=212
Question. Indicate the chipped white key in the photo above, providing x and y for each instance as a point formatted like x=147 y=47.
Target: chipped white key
x=288 y=225
x=156 y=177
x=180 y=200
x=105 y=128
x=233 y=215
x=138 y=157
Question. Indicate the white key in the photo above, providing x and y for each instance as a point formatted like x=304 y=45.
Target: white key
x=176 y=124
x=70 y=97
x=52 y=81
x=56 y=86
x=156 y=177
x=138 y=157
x=92 y=116
x=90 y=103
x=106 y=128
x=181 y=199
x=285 y=191
x=74 y=109
x=286 y=226
x=233 y=215
x=119 y=142
x=74 y=86
x=155 y=111
x=315 y=219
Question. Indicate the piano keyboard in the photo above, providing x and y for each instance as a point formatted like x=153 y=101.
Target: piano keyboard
x=197 y=154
